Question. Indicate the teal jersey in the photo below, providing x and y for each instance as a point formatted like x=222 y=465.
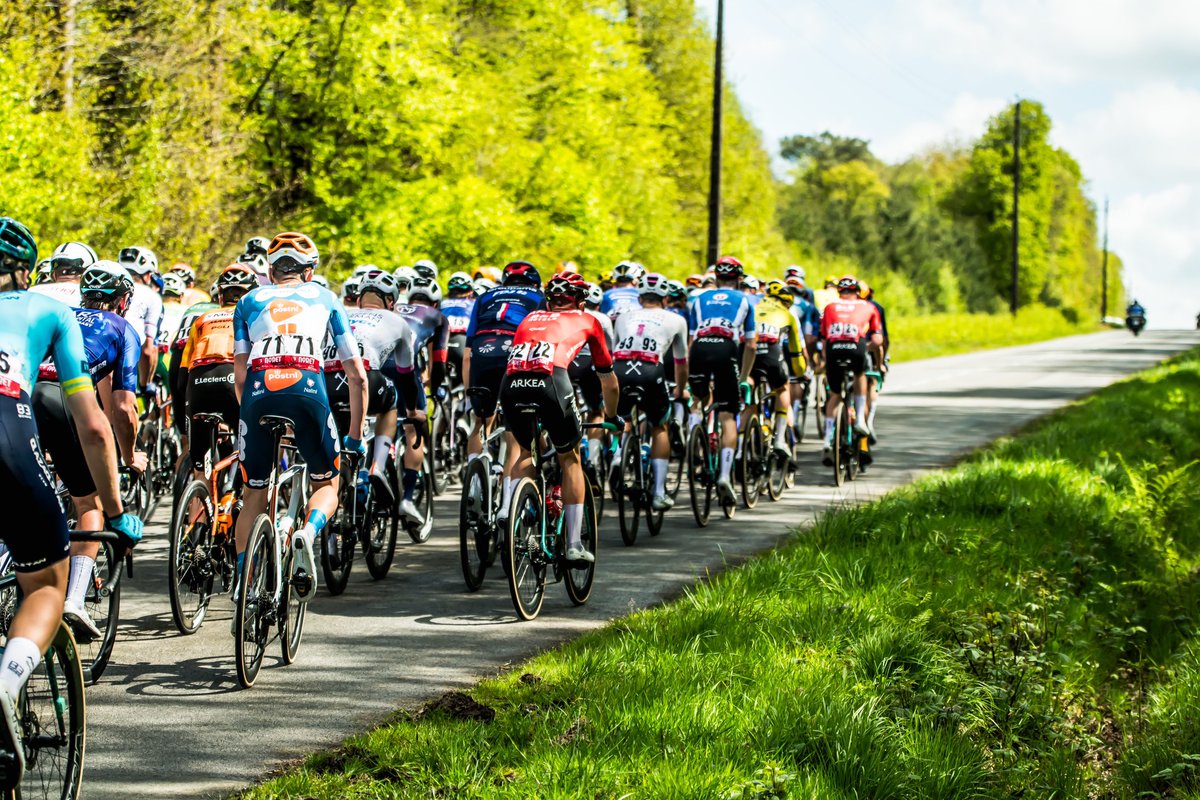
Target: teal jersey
x=32 y=327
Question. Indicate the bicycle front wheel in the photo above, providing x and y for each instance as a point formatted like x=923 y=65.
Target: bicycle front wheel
x=523 y=550
x=579 y=579
x=474 y=537
x=103 y=603
x=752 y=461
x=257 y=590
x=423 y=500
x=189 y=561
x=629 y=487
x=436 y=448
x=290 y=613
x=699 y=480
x=840 y=427
x=53 y=716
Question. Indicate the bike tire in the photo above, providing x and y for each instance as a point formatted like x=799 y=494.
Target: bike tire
x=579 y=580
x=700 y=487
x=526 y=567
x=802 y=420
x=103 y=603
x=435 y=449
x=752 y=459
x=379 y=539
x=677 y=466
x=291 y=614
x=256 y=593
x=777 y=472
x=474 y=535
x=629 y=489
x=190 y=537
x=840 y=419
x=423 y=499
x=341 y=530
x=53 y=711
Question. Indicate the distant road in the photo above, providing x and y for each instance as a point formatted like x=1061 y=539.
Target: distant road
x=168 y=719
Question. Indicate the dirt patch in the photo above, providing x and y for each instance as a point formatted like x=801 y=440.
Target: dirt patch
x=459 y=705
x=577 y=730
x=529 y=677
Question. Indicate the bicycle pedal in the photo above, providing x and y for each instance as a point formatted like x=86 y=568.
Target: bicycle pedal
x=303 y=583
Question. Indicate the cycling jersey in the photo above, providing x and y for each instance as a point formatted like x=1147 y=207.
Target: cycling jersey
x=112 y=348
x=753 y=298
x=721 y=314
x=173 y=312
x=428 y=327
x=502 y=309
x=64 y=291
x=190 y=315
x=823 y=297
x=192 y=296
x=210 y=340
x=384 y=338
x=779 y=335
x=618 y=300
x=651 y=335
x=458 y=312
x=810 y=318
x=145 y=312
x=849 y=321
x=33 y=326
x=550 y=340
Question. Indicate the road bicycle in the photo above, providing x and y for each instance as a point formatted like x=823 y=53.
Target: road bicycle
x=634 y=481
x=752 y=453
x=480 y=535
x=704 y=467
x=268 y=602
x=102 y=599
x=780 y=468
x=535 y=544
x=418 y=530
x=848 y=446
x=446 y=452
x=158 y=438
x=202 y=559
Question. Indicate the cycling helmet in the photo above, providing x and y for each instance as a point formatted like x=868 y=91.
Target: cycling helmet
x=654 y=284
x=138 y=260
x=676 y=290
x=694 y=280
x=794 y=271
x=567 y=284
x=794 y=284
x=709 y=279
x=350 y=289
x=105 y=280
x=184 y=271
x=482 y=285
x=594 y=296
x=628 y=271
x=363 y=269
x=459 y=282
x=521 y=273
x=426 y=269
x=258 y=244
x=235 y=276
x=728 y=267
x=378 y=281
x=427 y=288
x=405 y=276
x=490 y=273
x=779 y=291
x=750 y=283
x=40 y=273
x=848 y=283
x=320 y=280
x=18 y=250
x=830 y=280
x=173 y=285
x=291 y=253
x=72 y=258
x=865 y=291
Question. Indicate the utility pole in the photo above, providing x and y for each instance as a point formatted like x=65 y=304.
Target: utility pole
x=1104 y=268
x=1016 y=212
x=714 y=177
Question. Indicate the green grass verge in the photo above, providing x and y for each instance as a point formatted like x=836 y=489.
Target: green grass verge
x=932 y=335
x=1018 y=626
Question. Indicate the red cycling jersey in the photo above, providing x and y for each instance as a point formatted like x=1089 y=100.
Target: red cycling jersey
x=849 y=321
x=549 y=340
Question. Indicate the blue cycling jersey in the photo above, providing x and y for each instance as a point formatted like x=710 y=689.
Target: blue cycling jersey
x=502 y=309
x=810 y=318
x=112 y=346
x=618 y=300
x=428 y=327
x=721 y=313
x=458 y=313
x=33 y=326
x=753 y=298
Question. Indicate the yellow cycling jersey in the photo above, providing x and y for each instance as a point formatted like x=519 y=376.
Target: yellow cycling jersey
x=779 y=332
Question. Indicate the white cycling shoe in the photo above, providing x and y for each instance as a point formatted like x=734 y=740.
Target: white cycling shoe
x=725 y=491
x=861 y=428
x=662 y=502
x=81 y=623
x=408 y=510
x=304 y=565
x=579 y=554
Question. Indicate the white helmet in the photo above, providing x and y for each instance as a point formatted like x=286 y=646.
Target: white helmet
x=173 y=285
x=350 y=288
x=794 y=271
x=427 y=288
x=380 y=282
x=483 y=284
x=654 y=284
x=72 y=258
x=750 y=282
x=594 y=295
x=138 y=260
x=426 y=268
x=404 y=276
x=628 y=270
x=460 y=282
x=320 y=280
x=363 y=269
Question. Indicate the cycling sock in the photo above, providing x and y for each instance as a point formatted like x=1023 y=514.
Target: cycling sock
x=20 y=657
x=780 y=430
x=316 y=521
x=860 y=409
x=829 y=431
x=659 y=467
x=871 y=416
x=81 y=576
x=573 y=522
x=410 y=483
x=726 y=462
x=693 y=420
x=507 y=493
x=383 y=449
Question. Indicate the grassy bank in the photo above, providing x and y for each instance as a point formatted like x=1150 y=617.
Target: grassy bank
x=1018 y=626
x=931 y=335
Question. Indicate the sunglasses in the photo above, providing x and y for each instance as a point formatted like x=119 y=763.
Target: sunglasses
x=10 y=263
x=70 y=266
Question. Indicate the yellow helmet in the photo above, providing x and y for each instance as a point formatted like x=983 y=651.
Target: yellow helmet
x=779 y=291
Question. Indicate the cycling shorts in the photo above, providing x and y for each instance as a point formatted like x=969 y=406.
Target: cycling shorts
x=489 y=362
x=210 y=390
x=381 y=396
x=304 y=402
x=651 y=380
x=715 y=359
x=175 y=373
x=59 y=439
x=554 y=398
x=455 y=347
x=585 y=378
x=771 y=369
x=40 y=539
x=842 y=358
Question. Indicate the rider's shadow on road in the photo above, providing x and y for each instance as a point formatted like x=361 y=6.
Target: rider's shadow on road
x=192 y=677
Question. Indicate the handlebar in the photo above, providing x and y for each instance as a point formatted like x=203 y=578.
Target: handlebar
x=112 y=537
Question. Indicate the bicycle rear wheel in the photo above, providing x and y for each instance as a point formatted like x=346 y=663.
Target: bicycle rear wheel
x=777 y=471
x=579 y=579
x=840 y=420
x=103 y=603
x=379 y=538
x=189 y=561
x=523 y=550
x=752 y=461
x=436 y=449
x=256 y=598
x=291 y=613
x=474 y=537
x=629 y=487
x=699 y=480
x=53 y=713
x=677 y=466
x=337 y=538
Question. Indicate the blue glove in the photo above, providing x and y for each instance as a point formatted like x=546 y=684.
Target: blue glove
x=127 y=526
x=354 y=445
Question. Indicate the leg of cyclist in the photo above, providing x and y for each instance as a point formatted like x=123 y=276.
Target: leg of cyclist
x=414 y=401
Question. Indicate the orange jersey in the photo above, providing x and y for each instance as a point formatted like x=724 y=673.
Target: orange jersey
x=210 y=341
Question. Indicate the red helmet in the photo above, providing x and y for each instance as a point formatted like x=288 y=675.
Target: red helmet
x=521 y=272
x=567 y=284
x=729 y=267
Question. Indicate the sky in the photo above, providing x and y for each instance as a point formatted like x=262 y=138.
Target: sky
x=1119 y=79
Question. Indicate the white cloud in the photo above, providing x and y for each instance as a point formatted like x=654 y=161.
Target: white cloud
x=1157 y=237
x=963 y=121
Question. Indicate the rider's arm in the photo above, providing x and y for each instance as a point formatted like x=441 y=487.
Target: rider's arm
x=124 y=413
x=679 y=351
x=241 y=349
x=356 y=377
x=750 y=351
x=602 y=362
x=439 y=347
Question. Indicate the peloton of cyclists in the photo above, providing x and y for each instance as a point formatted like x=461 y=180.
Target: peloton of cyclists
x=849 y=326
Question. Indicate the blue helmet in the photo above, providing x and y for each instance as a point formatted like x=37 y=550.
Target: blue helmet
x=18 y=249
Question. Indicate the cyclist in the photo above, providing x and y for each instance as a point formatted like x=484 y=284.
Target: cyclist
x=584 y=377
x=385 y=341
x=173 y=290
x=497 y=314
x=624 y=293
x=677 y=298
x=426 y=269
x=191 y=295
x=404 y=277
x=877 y=362
x=536 y=373
x=649 y=340
x=847 y=326
x=457 y=307
x=722 y=320
x=826 y=295
x=67 y=263
x=810 y=326
x=320 y=280
x=206 y=363
x=146 y=308
x=278 y=334
x=350 y=292
x=780 y=348
x=431 y=330
x=750 y=288
x=31 y=327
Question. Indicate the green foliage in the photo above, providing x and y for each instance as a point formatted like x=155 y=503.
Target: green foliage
x=469 y=132
x=986 y=632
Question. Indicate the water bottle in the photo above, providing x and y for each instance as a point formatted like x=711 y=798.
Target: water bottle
x=583 y=447
x=364 y=481
x=645 y=456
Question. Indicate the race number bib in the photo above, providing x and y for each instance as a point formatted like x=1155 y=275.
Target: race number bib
x=638 y=348
x=531 y=357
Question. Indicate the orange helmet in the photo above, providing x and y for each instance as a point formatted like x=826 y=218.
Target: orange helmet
x=694 y=281
x=290 y=250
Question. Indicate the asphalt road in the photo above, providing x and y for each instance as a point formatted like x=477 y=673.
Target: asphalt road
x=168 y=719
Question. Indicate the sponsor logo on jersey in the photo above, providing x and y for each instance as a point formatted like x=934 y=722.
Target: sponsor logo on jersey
x=277 y=379
x=217 y=379
x=283 y=310
x=527 y=383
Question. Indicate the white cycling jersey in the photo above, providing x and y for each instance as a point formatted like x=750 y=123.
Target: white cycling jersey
x=145 y=312
x=650 y=335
